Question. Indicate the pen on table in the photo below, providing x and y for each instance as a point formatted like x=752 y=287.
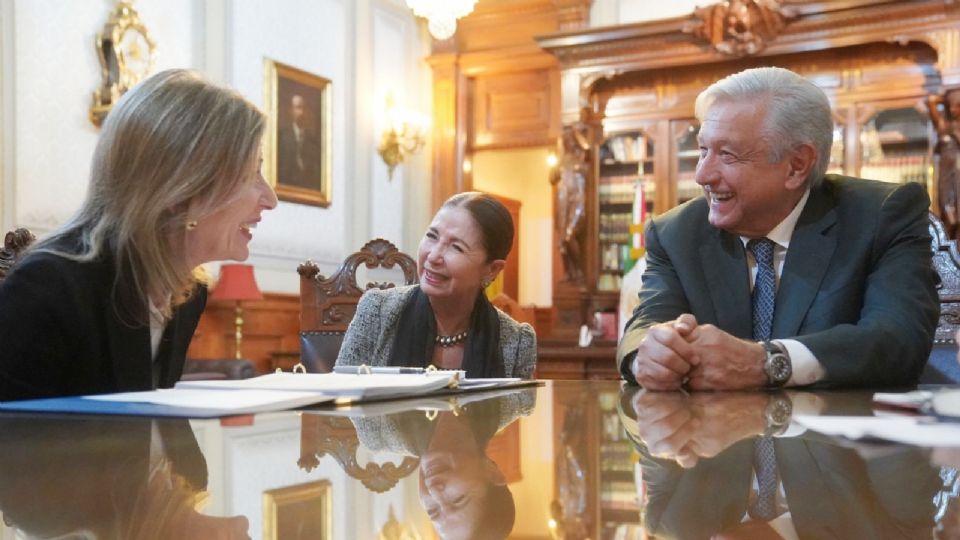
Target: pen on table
x=390 y=370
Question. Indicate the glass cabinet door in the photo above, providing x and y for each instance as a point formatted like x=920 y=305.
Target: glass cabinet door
x=896 y=141
x=685 y=157
x=839 y=147
x=626 y=167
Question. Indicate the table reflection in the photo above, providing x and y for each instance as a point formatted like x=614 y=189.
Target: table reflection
x=698 y=465
x=66 y=477
x=463 y=491
x=567 y=460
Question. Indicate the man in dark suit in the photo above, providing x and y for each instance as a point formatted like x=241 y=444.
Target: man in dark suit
x=298 y=160
x=850 y=289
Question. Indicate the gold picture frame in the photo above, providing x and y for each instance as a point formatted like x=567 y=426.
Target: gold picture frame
x=298 y=511
x=296 y=151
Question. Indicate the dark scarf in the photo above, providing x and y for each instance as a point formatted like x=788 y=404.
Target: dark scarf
x=416 y=330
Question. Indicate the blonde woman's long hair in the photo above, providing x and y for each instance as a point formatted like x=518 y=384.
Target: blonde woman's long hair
x=173 y=149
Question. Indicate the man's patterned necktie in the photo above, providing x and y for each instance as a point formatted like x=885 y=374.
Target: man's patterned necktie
x=764 y=456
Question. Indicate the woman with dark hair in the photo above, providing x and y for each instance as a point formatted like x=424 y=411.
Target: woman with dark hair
x=446 y=320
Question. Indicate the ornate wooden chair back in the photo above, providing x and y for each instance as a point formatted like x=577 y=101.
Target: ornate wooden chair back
x=327 y=304
x=943 y=366
x=14 y=244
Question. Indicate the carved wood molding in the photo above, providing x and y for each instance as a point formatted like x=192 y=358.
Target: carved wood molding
x=601 y=53
x=739 y=27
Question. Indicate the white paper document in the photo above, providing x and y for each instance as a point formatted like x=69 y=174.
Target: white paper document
x=914 y=400
x=918 y=430
x=241 y=400
x=367 y=386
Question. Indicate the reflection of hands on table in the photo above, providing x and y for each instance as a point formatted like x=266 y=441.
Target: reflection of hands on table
x=688 y=427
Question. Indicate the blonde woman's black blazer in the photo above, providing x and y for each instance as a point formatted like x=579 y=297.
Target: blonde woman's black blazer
x=60 y=334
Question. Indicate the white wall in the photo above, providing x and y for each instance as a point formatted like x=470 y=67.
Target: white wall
x=365 y=47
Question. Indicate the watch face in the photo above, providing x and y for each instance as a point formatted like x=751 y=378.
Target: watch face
x=779 y=410
x=778 y=368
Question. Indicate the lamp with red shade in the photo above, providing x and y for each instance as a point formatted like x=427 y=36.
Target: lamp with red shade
x=238 y=284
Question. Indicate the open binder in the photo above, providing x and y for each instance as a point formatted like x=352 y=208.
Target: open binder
x=273 y=392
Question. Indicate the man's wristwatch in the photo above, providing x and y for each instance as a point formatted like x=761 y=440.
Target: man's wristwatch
x=777 y=414
x=777 y=365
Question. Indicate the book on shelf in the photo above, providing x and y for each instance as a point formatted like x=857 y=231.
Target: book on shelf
x=273 y=392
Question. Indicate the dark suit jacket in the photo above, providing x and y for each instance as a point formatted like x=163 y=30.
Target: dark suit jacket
x=831 y=492
x=857 y=287
x=60 y=334
x=288 y=171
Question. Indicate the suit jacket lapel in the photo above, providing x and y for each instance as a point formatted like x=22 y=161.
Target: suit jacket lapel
x=811 y=249
x=725 y=267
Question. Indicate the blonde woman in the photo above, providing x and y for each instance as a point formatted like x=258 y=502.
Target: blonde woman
x=109 y=302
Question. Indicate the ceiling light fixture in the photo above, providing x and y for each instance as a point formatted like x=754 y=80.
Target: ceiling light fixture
x=441 y=15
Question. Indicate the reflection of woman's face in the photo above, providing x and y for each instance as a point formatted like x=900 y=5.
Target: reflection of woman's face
x=454 y=480
x=453 y=490
x=452 y=260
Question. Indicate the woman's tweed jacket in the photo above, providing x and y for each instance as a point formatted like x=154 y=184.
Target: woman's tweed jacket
x=387 y=433
x=370 y=337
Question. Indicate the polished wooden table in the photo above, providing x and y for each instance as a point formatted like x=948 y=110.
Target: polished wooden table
x=569 y=459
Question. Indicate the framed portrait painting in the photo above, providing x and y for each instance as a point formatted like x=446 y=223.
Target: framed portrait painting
x=297 y=147
x=299 y=511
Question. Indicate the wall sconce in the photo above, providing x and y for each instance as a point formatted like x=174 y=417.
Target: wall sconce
x=552 y=160
x=441 y=15
x=237 y=283
x=404 y=135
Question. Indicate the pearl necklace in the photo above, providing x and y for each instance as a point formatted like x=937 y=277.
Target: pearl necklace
x=450 y=341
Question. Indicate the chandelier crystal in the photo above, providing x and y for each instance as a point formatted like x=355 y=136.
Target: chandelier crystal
x=441 y=15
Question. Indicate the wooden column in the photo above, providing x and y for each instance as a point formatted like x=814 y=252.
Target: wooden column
x=449 y=128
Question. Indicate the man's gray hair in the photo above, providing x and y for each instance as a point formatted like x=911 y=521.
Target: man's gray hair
x=798 y=111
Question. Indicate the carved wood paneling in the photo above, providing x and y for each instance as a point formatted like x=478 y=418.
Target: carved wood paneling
x=515 y=109
x=497 y=38
x=448 y=119
x=607 y=52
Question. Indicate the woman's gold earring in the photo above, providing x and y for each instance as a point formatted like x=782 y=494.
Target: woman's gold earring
x=191 y=225
x=485 y=283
